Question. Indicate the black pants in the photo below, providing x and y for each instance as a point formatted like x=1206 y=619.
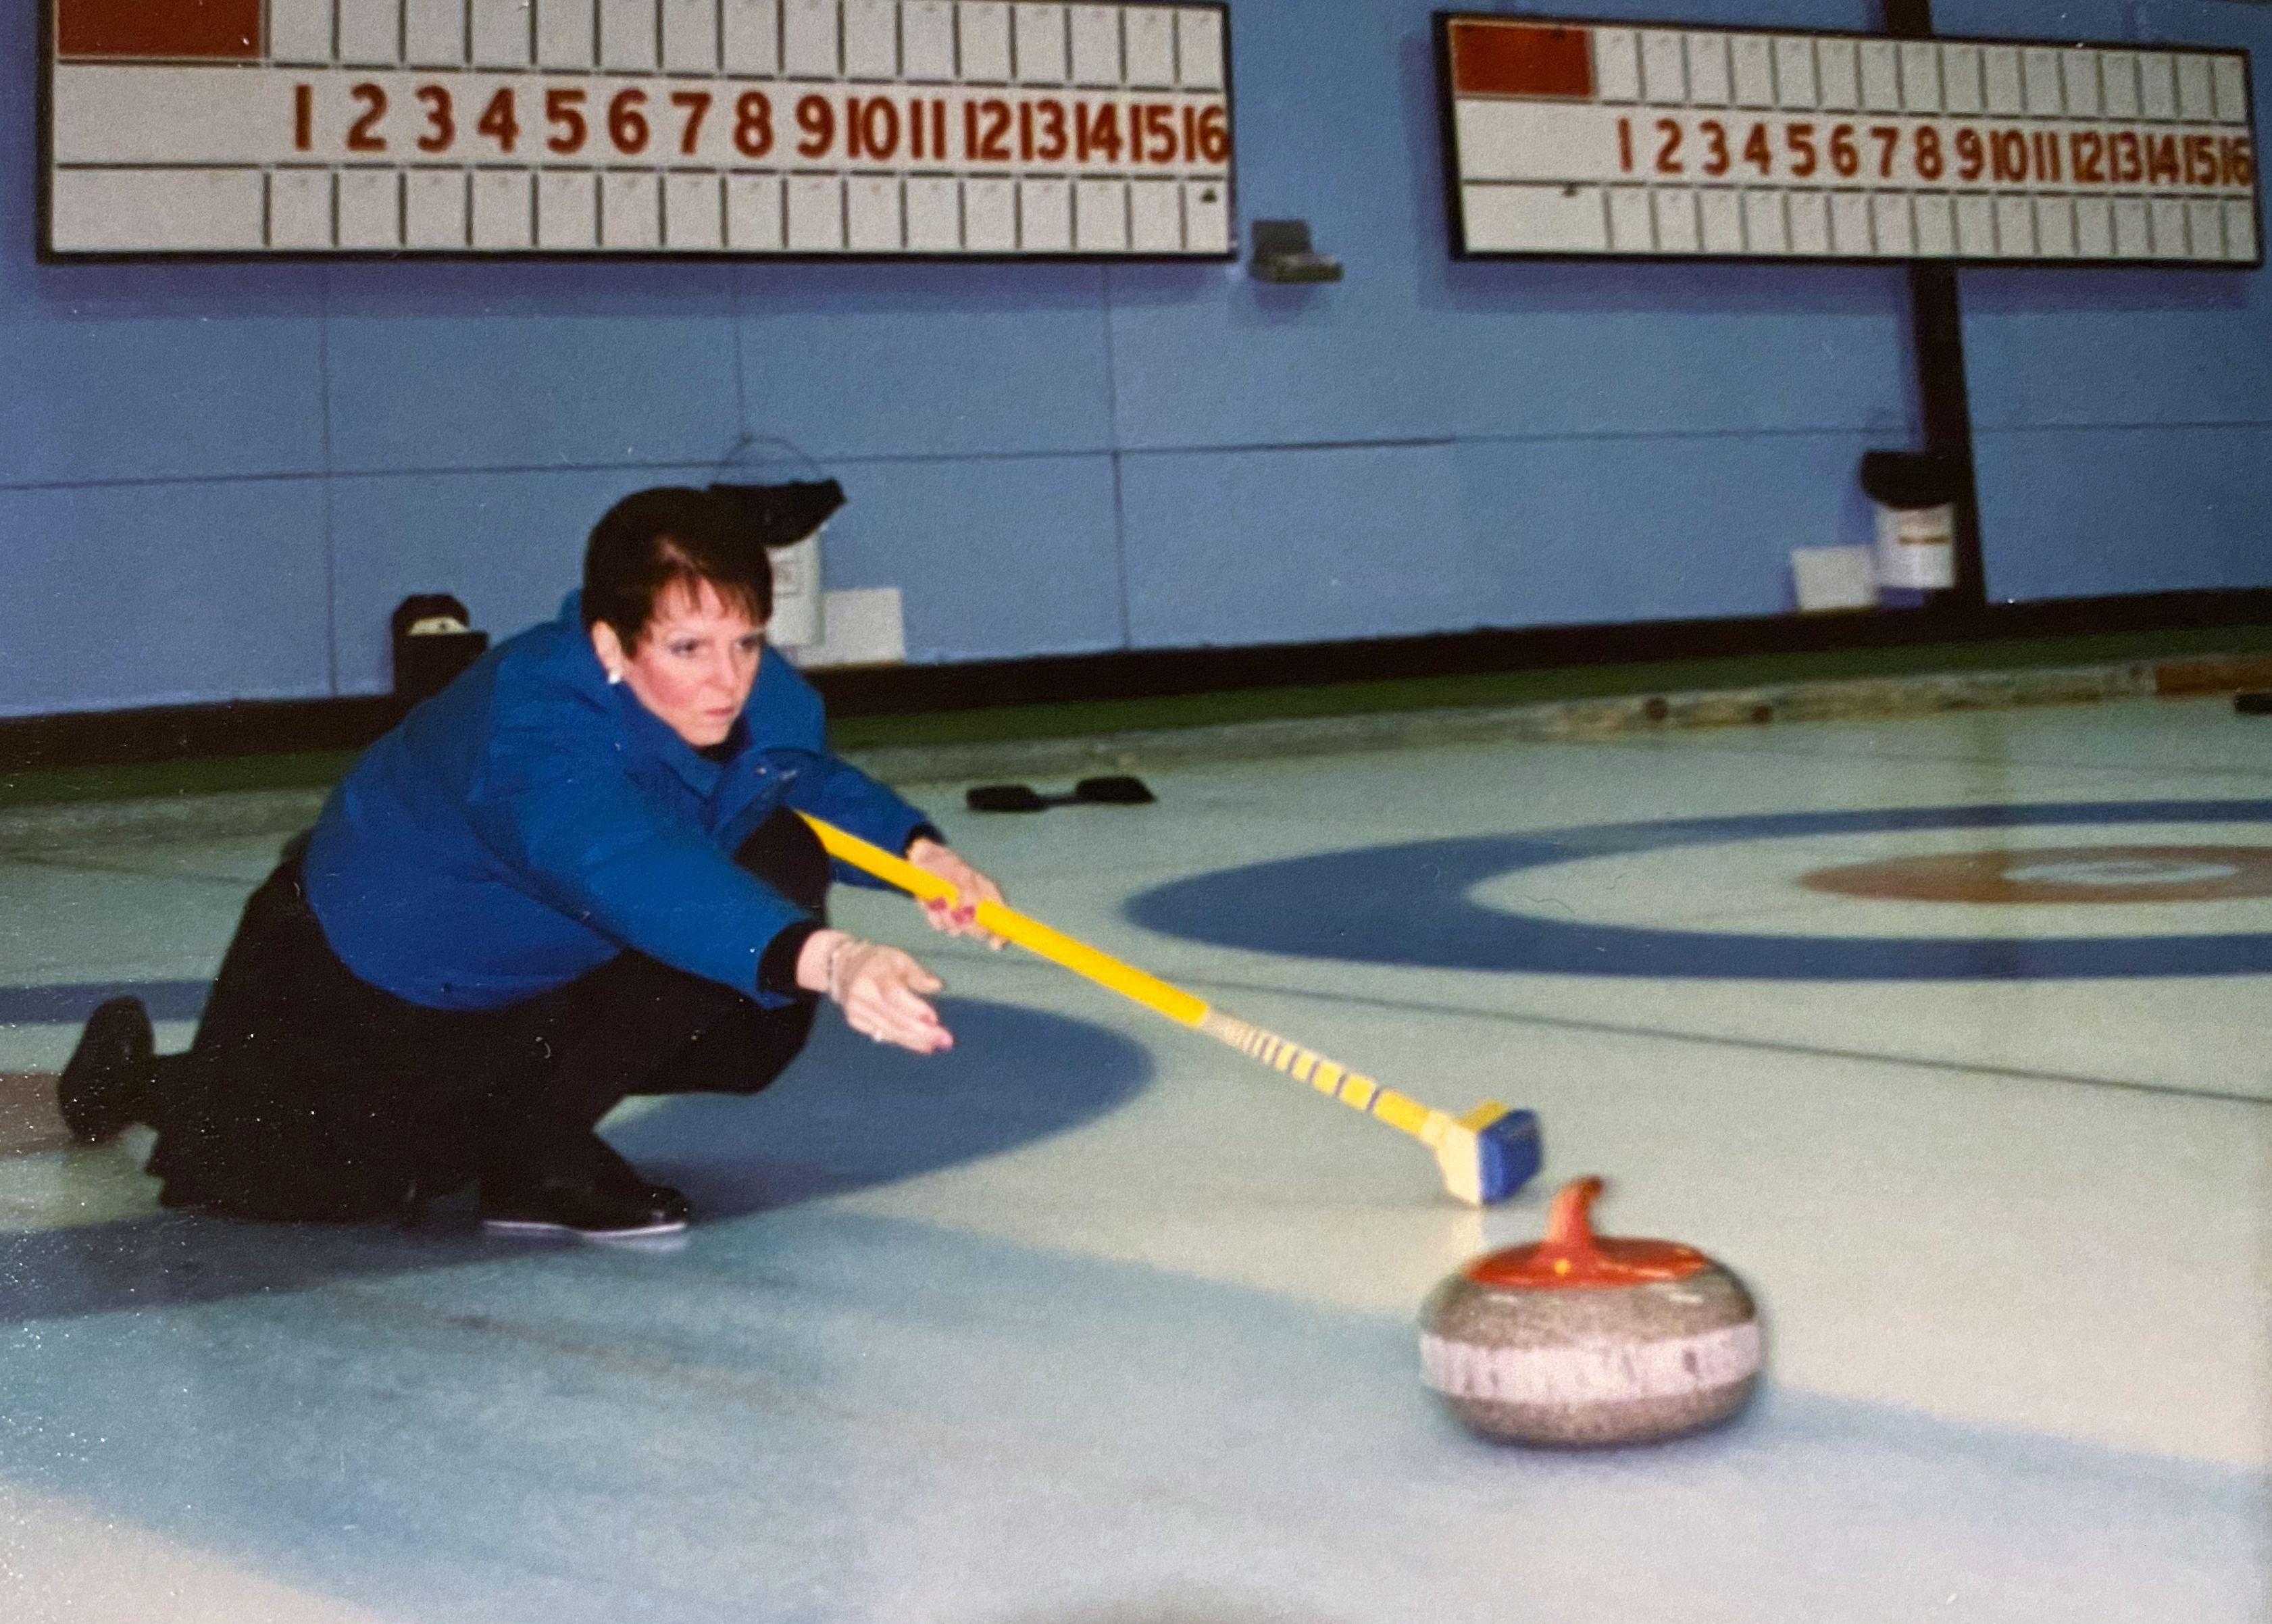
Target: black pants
x=309 y=1092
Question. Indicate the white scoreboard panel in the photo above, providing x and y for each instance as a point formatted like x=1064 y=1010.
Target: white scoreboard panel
x=806 y=127
x=1575 y=137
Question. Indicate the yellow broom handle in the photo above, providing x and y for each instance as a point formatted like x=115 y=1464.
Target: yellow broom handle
x=1444 y=1134
x=1103 y=969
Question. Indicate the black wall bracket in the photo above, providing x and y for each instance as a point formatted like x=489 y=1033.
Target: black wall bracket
x=1282 y=254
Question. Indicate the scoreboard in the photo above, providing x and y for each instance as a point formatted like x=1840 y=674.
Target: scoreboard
x=806 y=127
x=1569 y=137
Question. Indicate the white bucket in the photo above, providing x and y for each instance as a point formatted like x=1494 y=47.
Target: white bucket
x=799 y=619
x=1916 y=546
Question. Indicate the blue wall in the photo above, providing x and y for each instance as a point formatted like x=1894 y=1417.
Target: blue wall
x=217 y=480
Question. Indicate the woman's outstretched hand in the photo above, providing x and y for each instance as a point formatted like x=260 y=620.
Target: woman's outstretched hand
x=881 y=990
x=960 y=918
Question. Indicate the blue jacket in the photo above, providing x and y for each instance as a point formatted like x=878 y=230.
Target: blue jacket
x=531 y=821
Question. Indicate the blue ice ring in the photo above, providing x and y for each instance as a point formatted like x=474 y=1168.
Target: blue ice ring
x=1412 y=905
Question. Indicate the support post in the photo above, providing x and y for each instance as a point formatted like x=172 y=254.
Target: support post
x=1937 y=342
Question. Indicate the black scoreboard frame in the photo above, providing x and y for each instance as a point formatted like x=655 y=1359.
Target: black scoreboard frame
x=45 y=253
x=1456 y=209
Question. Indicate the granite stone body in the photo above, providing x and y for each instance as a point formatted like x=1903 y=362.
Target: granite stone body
x=1593 y=1365
x=1591 y=1341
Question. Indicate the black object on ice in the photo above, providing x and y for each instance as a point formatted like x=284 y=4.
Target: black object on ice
x=1115 y=789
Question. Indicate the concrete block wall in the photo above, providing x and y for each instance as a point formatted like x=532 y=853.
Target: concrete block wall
x=217 y=479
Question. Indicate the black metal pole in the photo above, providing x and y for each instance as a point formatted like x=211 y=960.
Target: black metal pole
x=1937 y=340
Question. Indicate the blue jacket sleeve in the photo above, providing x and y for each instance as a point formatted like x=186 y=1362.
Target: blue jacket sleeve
x=555 y=805
x=792 y=725
x=843 y=795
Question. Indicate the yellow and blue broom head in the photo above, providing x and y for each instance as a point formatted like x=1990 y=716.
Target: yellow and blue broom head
x=1490 y=1153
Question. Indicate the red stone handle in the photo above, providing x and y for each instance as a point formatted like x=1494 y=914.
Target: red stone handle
x=1569 y=1224
x=1571 y=1257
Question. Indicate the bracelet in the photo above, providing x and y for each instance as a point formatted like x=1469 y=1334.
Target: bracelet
x=835 y=957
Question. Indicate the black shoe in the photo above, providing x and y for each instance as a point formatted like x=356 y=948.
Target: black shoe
x=582 y=1187
x=105 y=1087
x=572 y=1206
x=611 y=1175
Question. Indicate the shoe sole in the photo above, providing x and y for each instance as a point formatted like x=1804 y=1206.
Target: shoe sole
x=538 y=1226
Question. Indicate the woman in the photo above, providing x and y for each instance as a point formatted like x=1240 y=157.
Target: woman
x=574 y=875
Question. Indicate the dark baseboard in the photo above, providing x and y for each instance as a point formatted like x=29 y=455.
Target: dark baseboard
x=193 y=732
x=1161 y=673
x=272 y=727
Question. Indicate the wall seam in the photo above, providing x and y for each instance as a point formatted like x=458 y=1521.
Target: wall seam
x=2123 y=428
x=741 y=352
x=327 y=469
x=331 y=537
x=293 y=478
x=1112 y=436
x=1572 y=437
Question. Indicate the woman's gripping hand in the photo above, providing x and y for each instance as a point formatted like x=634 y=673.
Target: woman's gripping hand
x=961 y=916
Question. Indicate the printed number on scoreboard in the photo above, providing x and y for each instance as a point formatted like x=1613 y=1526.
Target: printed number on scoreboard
x=1577 y=139
x=800 y=126
x=483 y=119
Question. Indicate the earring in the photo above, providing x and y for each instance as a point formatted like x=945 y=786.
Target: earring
x=615 y=676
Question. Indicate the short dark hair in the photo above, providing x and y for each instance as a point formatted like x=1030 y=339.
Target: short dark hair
x=672 y=535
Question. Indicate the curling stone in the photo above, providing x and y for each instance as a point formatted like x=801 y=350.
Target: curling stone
x=1581 y=1341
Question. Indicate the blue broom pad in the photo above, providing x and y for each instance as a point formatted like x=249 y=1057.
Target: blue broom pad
x=1511 y=1153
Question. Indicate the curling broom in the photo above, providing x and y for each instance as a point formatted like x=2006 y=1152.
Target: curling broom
x=1486 y=1156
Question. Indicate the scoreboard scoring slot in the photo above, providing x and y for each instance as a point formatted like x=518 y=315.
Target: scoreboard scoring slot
x=874 y=127
x=1570 y=138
